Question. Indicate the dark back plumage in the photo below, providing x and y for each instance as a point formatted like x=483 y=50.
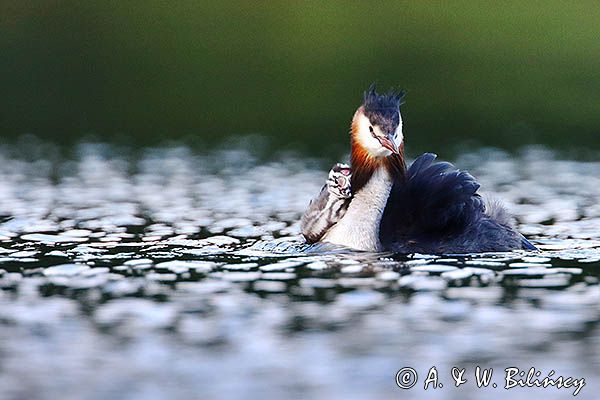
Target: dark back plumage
x=435 y=208
x=433 y=198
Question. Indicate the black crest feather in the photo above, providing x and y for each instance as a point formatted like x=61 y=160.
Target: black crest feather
x=373 y=101
x=383 y=109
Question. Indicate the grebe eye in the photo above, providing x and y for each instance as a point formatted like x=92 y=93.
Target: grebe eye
x=372 y=131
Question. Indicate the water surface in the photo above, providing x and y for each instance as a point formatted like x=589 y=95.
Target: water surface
x=161 y=274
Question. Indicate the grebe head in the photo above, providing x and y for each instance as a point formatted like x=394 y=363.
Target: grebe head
x=377 y=124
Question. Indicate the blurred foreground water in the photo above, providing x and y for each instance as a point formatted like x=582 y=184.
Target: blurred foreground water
x=138 y=276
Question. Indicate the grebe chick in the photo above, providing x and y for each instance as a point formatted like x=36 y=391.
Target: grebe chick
x=428 y=208
x=329 y=206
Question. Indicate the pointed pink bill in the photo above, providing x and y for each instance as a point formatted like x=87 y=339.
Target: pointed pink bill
x=389 y=144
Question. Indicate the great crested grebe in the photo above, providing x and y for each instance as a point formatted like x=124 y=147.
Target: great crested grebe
x=431 y=207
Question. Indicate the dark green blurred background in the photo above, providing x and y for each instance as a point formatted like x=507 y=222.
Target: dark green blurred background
x=145 y=72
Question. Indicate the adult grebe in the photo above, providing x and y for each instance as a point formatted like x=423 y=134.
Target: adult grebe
x=428 y=208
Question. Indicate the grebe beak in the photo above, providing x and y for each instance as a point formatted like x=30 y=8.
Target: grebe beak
x=388 y=143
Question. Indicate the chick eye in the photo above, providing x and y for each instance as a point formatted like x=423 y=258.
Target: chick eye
x=372 y=131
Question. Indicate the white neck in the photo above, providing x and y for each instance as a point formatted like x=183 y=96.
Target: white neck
x=359 y=227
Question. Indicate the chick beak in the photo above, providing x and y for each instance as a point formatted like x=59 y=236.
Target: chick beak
x=388 y=143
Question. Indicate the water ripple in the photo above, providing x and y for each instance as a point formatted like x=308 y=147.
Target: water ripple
x=162 y=267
